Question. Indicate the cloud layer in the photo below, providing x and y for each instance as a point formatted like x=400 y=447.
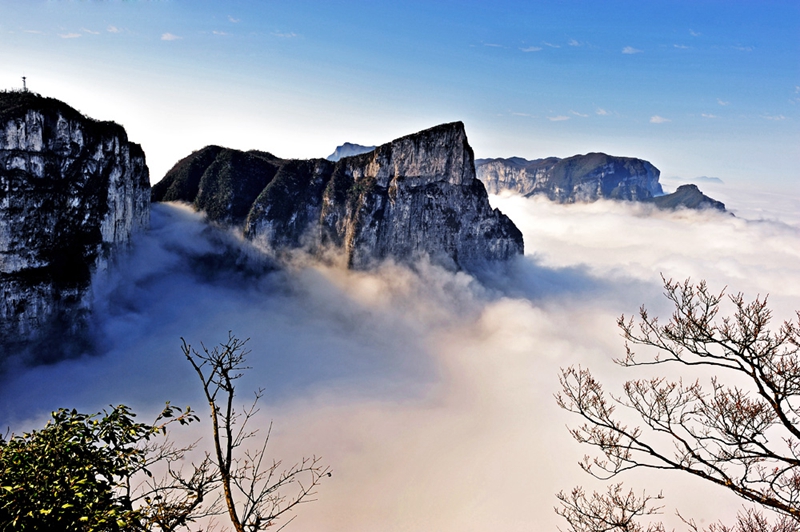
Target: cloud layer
x=429 y=393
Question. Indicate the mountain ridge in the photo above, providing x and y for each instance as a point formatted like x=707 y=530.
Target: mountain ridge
x=416 y=195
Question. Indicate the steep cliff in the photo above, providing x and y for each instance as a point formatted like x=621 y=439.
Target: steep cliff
x=72 y=191
x=417 y=195
x=579 y=178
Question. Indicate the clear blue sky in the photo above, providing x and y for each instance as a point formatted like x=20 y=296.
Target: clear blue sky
x=696 y=87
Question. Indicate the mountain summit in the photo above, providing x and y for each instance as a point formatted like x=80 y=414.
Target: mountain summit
x=74 y=190
x=417 y=195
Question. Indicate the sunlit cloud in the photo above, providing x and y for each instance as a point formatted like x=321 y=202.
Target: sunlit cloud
x=113 y=29
x=532 y=49
x=601 y=112
x=170 y=37
x=708 y=115
x=215 y=32
x=655 y=119
x=400 y=376
x=69 y=35
x=774 y=117
x=284 y=34
x=37 y=32
x=681 y=46
x=559 y=118
x=576 y=113
x=234 y=20
x=721 y=102
x=90 y=31
x=631 y=50
x=551 y=45
x=493 y=45
x=528 y=115
x=573 y=42
x=695 y=33
x=743 y=48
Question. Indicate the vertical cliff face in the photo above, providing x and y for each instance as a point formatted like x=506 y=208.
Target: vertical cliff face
x=72 y=192
x=417 y=195
x=580 y=178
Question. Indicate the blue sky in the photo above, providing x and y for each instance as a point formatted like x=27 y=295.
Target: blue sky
x=698 y=88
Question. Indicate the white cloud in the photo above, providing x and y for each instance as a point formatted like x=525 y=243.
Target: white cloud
x=694 y=33
x=493 y=45
x=743 y=48
x=631 y=50
x=37 y=32
x=573 y=42
x=234 y=20
x=602 y=112
x=681 y=46
x=721 y=102
x=288 y=35
x=69 y=35
x=655 y=119
x=532 y=49
x=215 y=32
x=523 y=114
x=411 y=379
x=559 y=118
x=774 y=117
x=113 y=29
x=576 y=113
x=708 y=115
x=551 y=45
x=90 y=31
x=170 y=37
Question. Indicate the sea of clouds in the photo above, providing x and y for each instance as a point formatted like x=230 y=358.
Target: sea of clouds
x=428 y=392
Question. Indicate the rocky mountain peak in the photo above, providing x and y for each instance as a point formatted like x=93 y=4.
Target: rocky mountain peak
x=74 y=190
x=417 y=195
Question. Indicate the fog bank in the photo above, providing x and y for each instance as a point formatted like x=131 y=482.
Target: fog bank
x=429 y=393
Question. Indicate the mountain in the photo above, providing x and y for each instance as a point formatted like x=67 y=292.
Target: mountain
x=74 y=190
x=417 y=195
x=348 y=150
x=579 y=178
x=687 y=196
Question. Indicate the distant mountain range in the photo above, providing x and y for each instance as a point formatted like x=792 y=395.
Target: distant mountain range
x=348 y=150
x=589 y=177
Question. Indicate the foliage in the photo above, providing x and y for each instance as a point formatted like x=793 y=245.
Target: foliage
x=95 y=472
x=743 y=435
x=76 y=473
x=252 y=485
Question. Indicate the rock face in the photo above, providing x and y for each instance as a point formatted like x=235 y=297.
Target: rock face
x=348 y=150
x=72 y=192
x=580 y=178
x=417 y=195
x=689 y=197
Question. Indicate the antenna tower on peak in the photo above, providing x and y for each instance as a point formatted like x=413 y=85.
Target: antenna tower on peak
x=24 y=85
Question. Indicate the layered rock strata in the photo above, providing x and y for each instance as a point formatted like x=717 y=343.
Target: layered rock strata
x=415 y=196
x=575 y=179
x=72 y=192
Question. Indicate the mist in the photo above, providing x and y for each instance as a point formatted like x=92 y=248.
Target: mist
x=428 y=392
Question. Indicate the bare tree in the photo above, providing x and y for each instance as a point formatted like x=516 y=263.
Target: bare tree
x=615 y=511
x=740 y=431
x=254 y=487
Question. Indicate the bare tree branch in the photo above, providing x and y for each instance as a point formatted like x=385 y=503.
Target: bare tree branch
x=744 y=437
